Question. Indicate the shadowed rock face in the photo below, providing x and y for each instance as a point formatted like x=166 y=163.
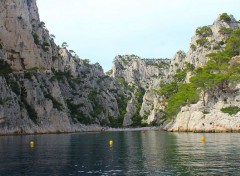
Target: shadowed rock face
x=45 y=88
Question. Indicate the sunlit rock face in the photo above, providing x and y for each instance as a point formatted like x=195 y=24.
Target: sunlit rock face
x=201 y=118
x=215 y=41
x=207 y=115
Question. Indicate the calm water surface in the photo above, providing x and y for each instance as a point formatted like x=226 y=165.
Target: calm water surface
x=132 y=153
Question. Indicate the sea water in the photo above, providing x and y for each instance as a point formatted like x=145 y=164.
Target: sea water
x=129 y=153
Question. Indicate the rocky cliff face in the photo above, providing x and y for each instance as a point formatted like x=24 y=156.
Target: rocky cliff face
x=208 y=116
x=143 y=76
x=144 y=73
x=207 y=39
x=150 y=74
x=45 y=88
x=25 y=41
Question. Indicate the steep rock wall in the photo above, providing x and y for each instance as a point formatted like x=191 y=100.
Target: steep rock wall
x=45 y=88
x=143 y=76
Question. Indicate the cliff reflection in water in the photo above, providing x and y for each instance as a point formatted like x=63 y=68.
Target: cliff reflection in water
x=48 y=155
x=132 y=153
x=144 y=152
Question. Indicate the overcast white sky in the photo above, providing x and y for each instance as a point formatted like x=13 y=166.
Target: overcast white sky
x=101 y=29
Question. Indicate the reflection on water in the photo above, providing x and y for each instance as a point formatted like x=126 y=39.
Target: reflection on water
x=132 y=153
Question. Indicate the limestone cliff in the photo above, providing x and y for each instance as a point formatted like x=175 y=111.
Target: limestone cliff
x=207 y=39
x=149 y=74
x=207 y=115
x=143 y=77
x=25 y=41
x=44 y=88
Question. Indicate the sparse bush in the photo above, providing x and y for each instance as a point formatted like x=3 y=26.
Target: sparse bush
x=206 y=112
x=225 y=17
x=121 y=80
x=225 y=31
x=45 y=46
x=168 y=89
x=42 y=24
x=29 y=73
x=202 y=41
x=56 y=104
x=193 y=47
x=187 y=94
x=180 y=75
x=5 y=100
x=36 y=38
x=92 y=95
x=54 y=58
x=60 y=76
x=221 y=42
x=189 y=67
x=52 y=36
x=233 y=43
x=72 y=51
x=115 y=122
x=109 y=72
x=153 y=123
x=76 y=114
x=31 y=111
x=122 y=105
x=231 y=110
x=137 y=120
x=64 y=45
x=77 y=80
x=14 y=85
x=5 y=68
x=204 y=31
x=97 y=109
x=86 y=61
x=124 y=61
x=216 y=47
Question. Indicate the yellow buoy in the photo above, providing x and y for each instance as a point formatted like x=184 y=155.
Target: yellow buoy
x=202 y=139
x=110 y=143
x=32 y=144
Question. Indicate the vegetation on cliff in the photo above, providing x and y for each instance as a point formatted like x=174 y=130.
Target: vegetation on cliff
x=219 y=73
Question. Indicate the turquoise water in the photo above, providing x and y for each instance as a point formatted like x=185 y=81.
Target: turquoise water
x=132 y=153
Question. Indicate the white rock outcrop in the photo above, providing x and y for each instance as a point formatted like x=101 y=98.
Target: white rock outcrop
x=193 y=118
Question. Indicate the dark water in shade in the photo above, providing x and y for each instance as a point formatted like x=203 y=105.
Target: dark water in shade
x=132 y=153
